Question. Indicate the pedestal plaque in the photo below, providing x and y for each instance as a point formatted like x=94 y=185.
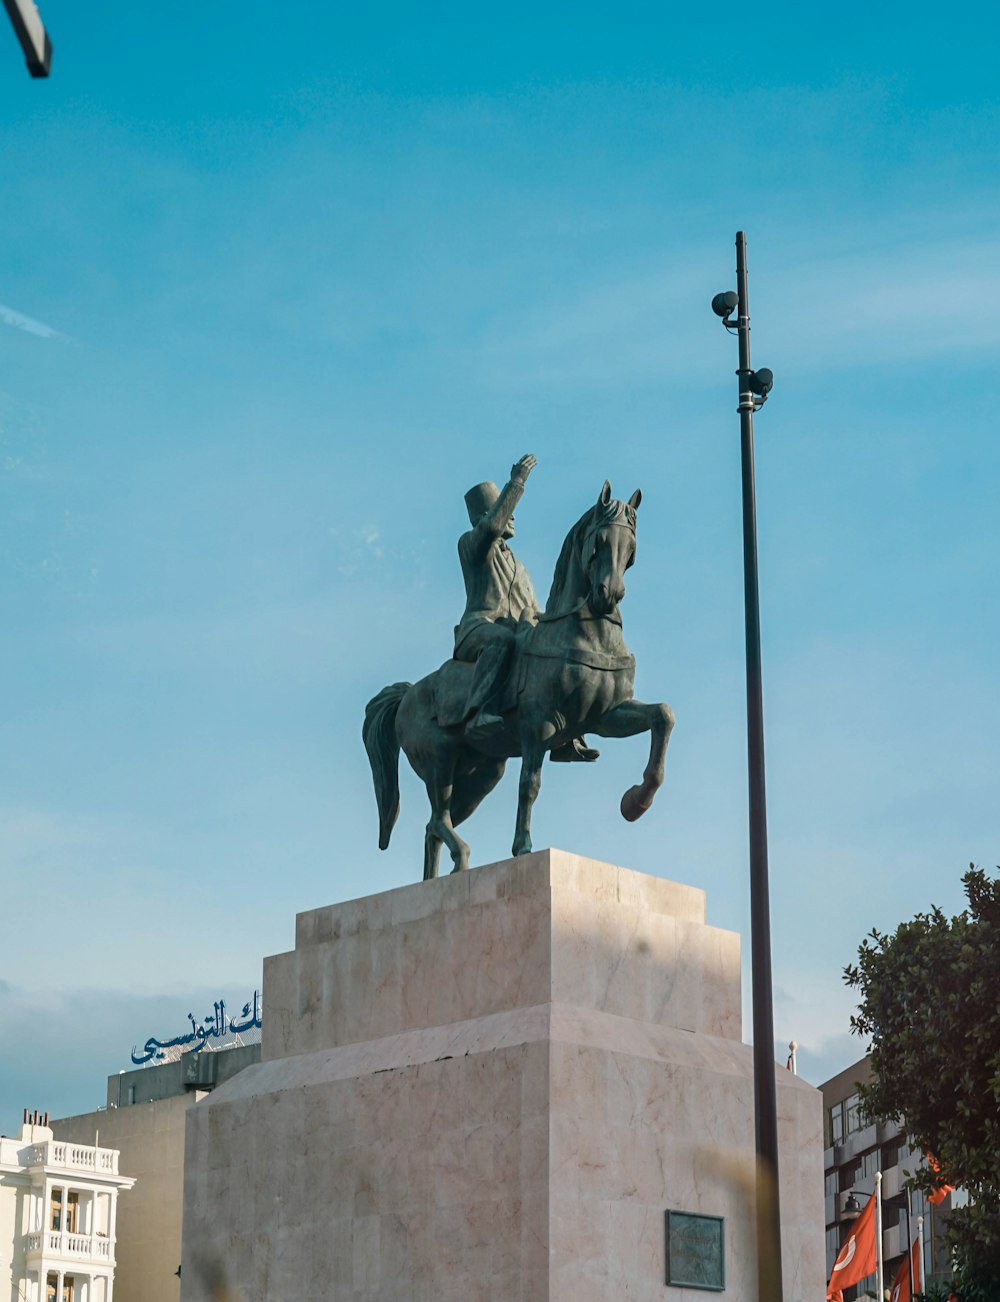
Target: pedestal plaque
x=696 y=1251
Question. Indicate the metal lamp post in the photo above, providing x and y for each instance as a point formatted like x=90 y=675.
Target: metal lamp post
x=754 y=387
x=851 y=1212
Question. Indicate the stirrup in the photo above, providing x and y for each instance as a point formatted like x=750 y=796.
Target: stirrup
x=574 y=752
x=483 y=726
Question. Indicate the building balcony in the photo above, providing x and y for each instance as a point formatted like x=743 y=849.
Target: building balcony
x=894 y=1242
x=75 y=1247
x=82 y=1158
x=859 y=1141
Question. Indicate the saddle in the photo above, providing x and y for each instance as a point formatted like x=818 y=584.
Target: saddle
x=451 y=692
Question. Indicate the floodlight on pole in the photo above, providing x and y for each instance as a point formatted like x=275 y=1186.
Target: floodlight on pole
x=32 y=34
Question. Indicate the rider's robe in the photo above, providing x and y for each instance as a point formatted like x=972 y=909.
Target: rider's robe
x=497 y=587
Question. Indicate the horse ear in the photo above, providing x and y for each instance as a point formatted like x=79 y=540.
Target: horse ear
x=635 y=499
x=605 y=496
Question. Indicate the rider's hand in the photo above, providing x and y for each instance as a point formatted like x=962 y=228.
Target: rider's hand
x=523 y=468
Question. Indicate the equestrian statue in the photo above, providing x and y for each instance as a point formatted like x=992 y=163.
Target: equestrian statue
x=522 y=682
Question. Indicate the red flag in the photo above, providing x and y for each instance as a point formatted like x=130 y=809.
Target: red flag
x=940 y=1194
x=857 y=1258
x=907 y=1279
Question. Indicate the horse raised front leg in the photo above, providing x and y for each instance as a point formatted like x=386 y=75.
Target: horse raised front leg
x=527 y=794
x=627 y=720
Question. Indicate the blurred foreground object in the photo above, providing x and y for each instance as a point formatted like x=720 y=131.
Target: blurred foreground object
x=32 y=34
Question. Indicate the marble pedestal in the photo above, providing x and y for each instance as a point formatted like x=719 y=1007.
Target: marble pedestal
x=490 y=1088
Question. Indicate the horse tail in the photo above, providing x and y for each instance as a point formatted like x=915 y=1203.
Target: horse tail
x=382 y=745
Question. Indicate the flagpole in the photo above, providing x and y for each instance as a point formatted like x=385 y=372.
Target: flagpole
x=909 y=1246
x=920 y=1236
x=878 y=1237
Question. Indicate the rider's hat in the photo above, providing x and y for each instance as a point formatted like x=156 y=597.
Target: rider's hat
x=481 y=499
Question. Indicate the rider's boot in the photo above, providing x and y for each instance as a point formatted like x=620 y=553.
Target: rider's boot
x=574 y=752
x=484 y=724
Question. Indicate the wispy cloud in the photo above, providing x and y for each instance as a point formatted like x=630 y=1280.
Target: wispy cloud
x=883 y=302
x=28 y=324
x=94 y=1028
x=872 y=301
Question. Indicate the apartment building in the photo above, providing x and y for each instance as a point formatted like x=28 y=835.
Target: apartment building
x=854 y=1152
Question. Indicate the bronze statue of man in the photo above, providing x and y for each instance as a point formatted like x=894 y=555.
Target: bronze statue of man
x=498 y=594
x=573 y=676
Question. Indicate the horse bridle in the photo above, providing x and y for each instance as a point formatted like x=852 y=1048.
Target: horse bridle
x=594 y=528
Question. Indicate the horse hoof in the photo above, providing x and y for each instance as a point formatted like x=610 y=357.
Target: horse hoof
x=633 y=805
x=522 y=847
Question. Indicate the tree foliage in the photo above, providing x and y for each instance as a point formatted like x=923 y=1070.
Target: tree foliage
x=929 y=1004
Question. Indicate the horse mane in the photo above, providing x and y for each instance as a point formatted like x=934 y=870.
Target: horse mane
x=566 y=589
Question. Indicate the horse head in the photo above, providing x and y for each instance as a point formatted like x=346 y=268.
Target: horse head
x=598 y=550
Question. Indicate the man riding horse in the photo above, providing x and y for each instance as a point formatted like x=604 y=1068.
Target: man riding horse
x=499 y=597
x=573 y=672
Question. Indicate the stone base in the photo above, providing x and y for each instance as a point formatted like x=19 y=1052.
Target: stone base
x=490 y=1088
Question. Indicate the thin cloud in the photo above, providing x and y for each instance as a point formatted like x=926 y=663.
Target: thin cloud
x=863 y=299
x=28 y=324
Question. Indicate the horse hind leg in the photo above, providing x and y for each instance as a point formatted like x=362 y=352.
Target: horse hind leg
x=441 y=829
x=432 y=753
x=432 y=852
x=473 y=784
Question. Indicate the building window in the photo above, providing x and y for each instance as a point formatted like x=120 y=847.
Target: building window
x=831 y=1182
x=64 y=1219
x=837 y=1124
x=892 y=1154
x=52 y=1288
x=849 y=1176
x=869 y=1163
x=852 y=1115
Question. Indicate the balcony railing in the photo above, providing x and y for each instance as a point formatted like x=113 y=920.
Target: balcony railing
x=64 y=1243
x=74 y=1157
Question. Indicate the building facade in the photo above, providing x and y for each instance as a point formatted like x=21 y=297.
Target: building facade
x=58 y=1216
x=854 y=1151
x=144 y=1120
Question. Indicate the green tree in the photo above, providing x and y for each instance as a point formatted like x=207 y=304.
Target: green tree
x=929 y=1005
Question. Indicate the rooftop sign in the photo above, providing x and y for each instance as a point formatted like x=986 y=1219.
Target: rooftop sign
x=218 y=1026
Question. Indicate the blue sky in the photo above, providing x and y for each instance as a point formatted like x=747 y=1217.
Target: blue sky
x=277 y=289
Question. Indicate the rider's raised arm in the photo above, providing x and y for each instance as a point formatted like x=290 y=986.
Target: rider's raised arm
x=495 y=521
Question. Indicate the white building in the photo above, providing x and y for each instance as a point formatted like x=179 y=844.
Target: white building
x=58 y=1204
